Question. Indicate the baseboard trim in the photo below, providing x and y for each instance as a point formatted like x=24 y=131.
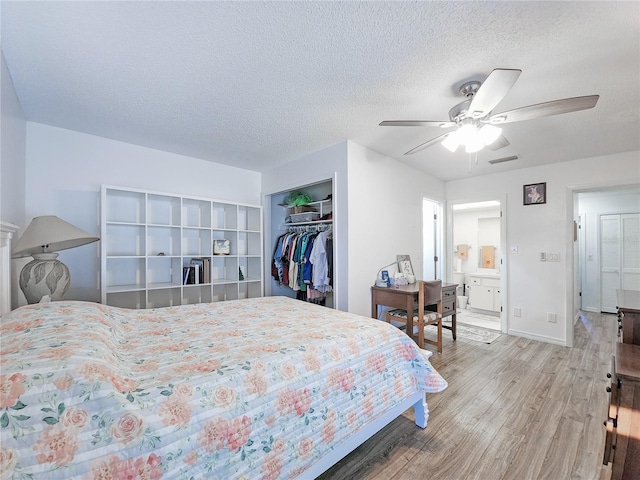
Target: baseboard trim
x=539 y=338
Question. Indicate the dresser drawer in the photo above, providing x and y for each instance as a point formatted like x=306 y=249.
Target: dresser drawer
x=448 y=307
x=448 y=294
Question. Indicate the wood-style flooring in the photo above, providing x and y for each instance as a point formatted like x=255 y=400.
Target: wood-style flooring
x=516 y=409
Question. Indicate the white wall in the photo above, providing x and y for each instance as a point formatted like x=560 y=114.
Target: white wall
x=533 y=286
x=377 y=206
x=327 y=164
x=385 y=218
x=65 y=170
x=12 y=151
x=591 y=206
x=13 y=148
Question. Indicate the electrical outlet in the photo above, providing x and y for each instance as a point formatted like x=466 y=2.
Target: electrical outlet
x=514 y=249
x=517 y=312
x=551 y=317
x=553 y=257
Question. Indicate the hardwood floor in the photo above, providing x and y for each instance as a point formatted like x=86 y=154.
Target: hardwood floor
x=516 y=409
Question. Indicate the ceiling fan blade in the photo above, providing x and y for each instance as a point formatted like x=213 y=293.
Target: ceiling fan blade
x=546 y=109
x=499 y=143
x=492 y=91
x=433 y=141
x=416 y=123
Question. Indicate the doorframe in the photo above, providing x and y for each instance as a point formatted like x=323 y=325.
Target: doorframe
x=572 y=302
x=504 y=257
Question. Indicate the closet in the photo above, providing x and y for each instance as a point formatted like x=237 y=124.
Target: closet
x=301 y=245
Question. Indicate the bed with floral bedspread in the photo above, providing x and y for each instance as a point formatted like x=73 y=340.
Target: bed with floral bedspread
x=259 y=388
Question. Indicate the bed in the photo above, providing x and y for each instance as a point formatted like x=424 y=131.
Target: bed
x=257 y=388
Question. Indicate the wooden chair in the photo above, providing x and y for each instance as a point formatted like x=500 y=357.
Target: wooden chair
x=429 y=293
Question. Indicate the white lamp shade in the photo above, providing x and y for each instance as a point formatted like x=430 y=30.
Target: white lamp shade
x=490 y=134
x=474 y=144
x=451 y=142
x=50 y=234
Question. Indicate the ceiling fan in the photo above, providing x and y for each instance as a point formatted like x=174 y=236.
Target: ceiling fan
x=476 y=121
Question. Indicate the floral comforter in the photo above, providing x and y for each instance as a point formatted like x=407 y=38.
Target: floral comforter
x=256 y=388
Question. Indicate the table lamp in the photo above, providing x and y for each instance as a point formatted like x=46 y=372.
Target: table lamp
x=45 y=275
x=380 y=282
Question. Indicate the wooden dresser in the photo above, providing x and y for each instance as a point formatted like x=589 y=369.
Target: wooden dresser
x=629 y=316
x=622 y=441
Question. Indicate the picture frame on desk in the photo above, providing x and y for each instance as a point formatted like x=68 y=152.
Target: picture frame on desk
x=404 y=265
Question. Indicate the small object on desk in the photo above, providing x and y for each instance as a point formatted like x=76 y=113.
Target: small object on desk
x=381 y=282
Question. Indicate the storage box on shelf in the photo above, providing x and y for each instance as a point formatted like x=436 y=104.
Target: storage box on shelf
x=149 y=237
x=310 y=213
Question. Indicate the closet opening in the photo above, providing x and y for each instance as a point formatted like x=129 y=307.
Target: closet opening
x=301 y=244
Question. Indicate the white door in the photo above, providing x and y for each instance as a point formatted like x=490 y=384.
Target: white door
x=431 y=239
x=630 y=251
x=619 y=257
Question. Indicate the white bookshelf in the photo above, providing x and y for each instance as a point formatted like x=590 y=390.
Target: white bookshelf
x=148 y=237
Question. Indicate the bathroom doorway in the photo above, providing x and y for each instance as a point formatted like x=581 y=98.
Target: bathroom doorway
x=476 y=264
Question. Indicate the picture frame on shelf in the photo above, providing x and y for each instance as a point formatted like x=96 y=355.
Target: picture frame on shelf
x=534 y=194
x=221 y=247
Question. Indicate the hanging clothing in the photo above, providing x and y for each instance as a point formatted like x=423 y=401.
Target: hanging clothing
x=302 y=262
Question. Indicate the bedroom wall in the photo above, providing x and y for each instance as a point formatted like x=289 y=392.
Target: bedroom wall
x=13 y=141
x=385 y=218
x=12 y=152
x=327 y=164
x=65 y=170
x=373 y=220
x=540 y=287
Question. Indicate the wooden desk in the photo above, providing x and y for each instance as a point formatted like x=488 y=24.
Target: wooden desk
x=406 y=297
x=629 y=315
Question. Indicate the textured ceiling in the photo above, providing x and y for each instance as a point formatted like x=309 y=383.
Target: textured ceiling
x=256 y=84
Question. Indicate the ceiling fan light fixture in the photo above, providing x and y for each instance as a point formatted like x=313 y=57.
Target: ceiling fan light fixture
x=451 y=142
x=489 y=134
x=474 y=145
x=466 y=133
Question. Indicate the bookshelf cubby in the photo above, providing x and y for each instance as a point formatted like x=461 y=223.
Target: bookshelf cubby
x=149 y=237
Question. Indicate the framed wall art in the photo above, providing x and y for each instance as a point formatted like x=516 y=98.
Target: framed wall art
x=535 y=194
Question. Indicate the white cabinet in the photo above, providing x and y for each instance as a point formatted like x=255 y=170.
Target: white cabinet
x=148 y=239
x=484 y=293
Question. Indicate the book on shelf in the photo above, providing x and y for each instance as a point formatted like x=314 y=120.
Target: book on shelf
x=203 y=266
x=198 y=271
x=188 y=277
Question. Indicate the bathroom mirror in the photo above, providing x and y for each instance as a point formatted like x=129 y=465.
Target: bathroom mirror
x=489 y=241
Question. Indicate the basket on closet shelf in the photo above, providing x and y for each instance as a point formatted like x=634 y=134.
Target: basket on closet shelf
x=304 y=217
x=300 y=209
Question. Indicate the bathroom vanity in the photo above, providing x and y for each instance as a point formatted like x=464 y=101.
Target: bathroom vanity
x=484 y=292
